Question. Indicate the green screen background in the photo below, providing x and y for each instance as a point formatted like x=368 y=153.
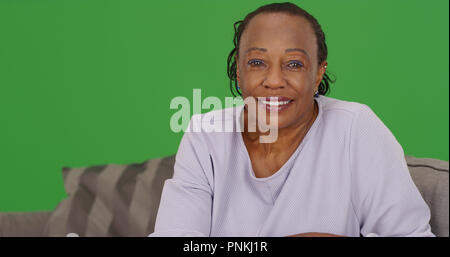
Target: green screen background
x=89 y=82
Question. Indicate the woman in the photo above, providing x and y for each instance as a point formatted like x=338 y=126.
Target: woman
x=334 y=169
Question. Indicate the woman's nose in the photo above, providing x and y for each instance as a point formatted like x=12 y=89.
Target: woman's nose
x=274 y=79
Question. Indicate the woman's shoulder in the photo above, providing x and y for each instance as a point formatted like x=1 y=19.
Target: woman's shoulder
x=363 y=123
x=216 y=130
x=351 y=115
x=223 y=120
x=335 y=105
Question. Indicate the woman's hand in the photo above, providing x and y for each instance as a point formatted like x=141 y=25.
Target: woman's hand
x=315 y=234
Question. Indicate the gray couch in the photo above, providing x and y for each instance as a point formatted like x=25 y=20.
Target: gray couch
x=122 y=200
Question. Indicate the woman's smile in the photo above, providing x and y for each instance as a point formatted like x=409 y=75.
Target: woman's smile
x=275 y=103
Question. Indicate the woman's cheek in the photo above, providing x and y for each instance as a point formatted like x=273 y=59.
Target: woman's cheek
x=251 y=83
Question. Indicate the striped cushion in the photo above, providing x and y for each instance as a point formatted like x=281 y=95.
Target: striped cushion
x=111 y=200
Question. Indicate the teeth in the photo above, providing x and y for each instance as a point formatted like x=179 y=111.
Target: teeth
x=274 y=103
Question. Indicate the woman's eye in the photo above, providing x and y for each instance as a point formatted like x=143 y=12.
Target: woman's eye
x=295 y=65
x=255 y=62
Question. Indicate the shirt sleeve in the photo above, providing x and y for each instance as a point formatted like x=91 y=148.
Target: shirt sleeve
x=186 y=201
x=385 y=198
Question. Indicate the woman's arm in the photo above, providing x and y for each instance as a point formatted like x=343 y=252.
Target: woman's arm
x=385 y=198
x=186 y=201
x=315 y=234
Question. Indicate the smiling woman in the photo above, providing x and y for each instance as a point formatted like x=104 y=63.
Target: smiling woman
x=334 y=170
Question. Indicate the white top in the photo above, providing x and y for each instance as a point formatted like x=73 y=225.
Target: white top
x=347 y=177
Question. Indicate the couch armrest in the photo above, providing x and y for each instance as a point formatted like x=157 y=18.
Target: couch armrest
x=432 y=179
x=16 y=224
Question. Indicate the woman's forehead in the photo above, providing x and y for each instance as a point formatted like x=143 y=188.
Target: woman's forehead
x=276 y=30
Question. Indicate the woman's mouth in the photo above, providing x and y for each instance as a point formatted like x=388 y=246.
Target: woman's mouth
x=275 y=103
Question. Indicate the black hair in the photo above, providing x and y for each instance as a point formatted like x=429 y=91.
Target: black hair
x=288 y=8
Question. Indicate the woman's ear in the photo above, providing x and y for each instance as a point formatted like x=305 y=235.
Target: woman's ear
x=320 y=73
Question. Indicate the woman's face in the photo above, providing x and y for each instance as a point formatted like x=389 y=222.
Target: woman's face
x=278 y=58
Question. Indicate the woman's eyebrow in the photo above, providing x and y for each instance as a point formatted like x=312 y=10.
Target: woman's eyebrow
x=286 y=51
x=296 y=49
x=256 y=49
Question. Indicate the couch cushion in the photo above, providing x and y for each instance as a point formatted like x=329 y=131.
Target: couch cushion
x=111 y=200
x=431 y=177
x=19 y=224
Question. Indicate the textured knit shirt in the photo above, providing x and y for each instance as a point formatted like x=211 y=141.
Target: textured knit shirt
x=347 y=177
